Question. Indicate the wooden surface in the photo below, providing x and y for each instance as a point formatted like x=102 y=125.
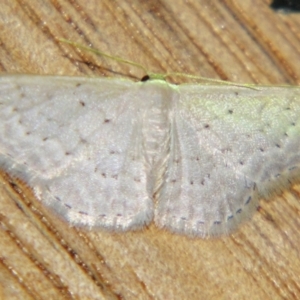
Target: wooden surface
x=41 y=257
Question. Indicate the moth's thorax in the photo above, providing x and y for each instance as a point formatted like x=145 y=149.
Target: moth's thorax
x=156 y=122
x=156 y=131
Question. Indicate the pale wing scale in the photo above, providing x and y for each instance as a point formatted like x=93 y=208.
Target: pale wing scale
x=230 y=146
x=77 y=142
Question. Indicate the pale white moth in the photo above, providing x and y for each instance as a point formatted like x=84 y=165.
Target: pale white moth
x=116 y=154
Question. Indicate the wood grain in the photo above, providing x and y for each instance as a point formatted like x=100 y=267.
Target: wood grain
x=41 y=257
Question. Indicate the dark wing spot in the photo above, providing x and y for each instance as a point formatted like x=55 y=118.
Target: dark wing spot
x=83 y=141
x=248 y=200
x=292 y=168
x=83 y=213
